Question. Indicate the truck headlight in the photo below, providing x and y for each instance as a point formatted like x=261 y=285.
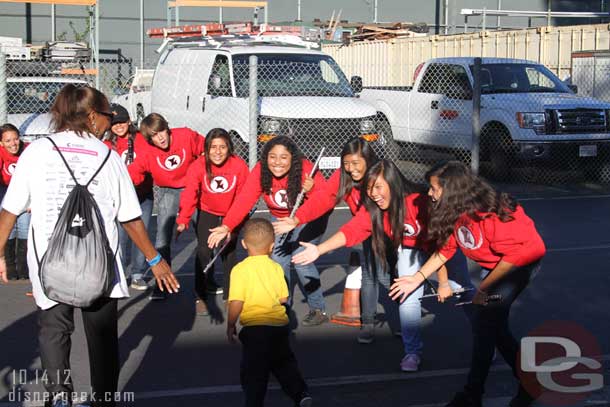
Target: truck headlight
x=271 y=126
x=531 y=120
x=367 y=126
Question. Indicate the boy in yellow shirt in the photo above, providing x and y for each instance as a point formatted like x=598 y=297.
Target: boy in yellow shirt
x=257 y=293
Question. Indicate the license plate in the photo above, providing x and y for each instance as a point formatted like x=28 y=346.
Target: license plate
x=587 y=151
x=330 y=163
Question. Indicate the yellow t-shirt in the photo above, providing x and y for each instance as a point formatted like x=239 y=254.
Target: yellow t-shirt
x=259 y=282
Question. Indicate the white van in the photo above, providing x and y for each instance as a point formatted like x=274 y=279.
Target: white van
x=302 y=93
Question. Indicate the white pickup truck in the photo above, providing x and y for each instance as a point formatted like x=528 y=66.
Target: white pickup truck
x=302 y=93
x=527 y=113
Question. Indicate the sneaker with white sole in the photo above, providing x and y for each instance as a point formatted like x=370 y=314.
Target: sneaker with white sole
x=215 y=291
x=139 y=284
x=410 y=363
x=305 y=400
x=315 y=317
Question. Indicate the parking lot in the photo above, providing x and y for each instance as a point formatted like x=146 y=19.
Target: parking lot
x=171 y=357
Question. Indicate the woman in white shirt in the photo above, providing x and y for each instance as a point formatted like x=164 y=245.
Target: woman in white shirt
x=41 y=181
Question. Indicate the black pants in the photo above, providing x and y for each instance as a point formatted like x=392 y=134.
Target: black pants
x=203 y=282
x=490 y=328
x=266 y=349
x=100 y=322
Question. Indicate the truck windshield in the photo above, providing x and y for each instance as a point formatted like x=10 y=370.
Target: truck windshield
x=519 y=78
x=32 y=97
x=292 y=75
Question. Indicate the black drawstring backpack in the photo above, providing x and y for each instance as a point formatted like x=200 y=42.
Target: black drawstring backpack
x=79 y=266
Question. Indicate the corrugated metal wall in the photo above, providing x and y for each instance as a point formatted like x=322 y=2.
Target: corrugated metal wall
x=392 y=63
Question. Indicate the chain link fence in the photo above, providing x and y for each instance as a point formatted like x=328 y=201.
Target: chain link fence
x=532 y=127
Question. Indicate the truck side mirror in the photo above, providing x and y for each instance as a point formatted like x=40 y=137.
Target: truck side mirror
x=356 y=83
x=573 y=88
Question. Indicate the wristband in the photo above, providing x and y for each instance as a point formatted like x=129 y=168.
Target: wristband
x=423 y=275
x=155 y=260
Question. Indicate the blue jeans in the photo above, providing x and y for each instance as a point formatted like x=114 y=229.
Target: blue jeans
x=374 y=275
x=20 y=230
x=410 y=261
x=309 y=277
x=134 y=262
x=168 y=203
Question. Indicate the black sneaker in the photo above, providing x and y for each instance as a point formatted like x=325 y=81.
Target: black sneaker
x=315 y=317
x=463 y=399
x=305 y=400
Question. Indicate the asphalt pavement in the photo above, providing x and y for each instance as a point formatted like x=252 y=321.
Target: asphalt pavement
x=172 y=357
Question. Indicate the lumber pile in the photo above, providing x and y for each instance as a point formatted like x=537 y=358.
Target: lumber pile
x=370 y=32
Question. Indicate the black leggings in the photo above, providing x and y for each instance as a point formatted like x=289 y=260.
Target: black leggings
x=203 y=282
x=490 y=327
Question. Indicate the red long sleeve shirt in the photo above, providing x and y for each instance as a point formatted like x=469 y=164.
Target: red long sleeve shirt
x=168 y=168
x=359 y=228
x=9 y=161
x=327 y=198
x=213 y=193
x=144 y=189
x=276 y=201
x=490 y=240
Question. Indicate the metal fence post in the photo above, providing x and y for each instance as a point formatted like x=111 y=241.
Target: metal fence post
x=3 y=99
x=476 y=116
x=253 y=116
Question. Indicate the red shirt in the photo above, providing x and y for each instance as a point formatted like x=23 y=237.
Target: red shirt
x=168 y=168
x=9 y=161
x=276 y=201
x=145 y=189
x=211 y=193
x=327 y=198
x=416 y=208
x=490 y=240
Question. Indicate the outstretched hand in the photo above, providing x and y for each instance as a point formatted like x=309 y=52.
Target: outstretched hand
x=217 y=235
x=404 y=286
x=166 y=280
x=307 y=256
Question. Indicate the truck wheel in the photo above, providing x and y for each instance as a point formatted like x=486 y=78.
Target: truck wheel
x=496 y=149
x=388 y=148
x=240 y=146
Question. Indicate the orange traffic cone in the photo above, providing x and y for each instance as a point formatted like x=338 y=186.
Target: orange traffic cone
x=350 y=306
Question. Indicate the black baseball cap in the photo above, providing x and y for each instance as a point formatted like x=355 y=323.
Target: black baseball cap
x=120 y=114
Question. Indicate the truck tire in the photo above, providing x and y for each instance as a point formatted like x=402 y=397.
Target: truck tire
x=240 y=147
x=387 y=147
x=496 y=150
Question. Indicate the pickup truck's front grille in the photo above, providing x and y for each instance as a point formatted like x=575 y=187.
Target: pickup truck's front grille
x=580 y=121
x=312 y=134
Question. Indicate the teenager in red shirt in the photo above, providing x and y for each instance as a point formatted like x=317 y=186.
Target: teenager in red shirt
x=278 y=178
x=493 y=230
x=128 y=143
x=212 y=184
x=167 y=159
x=16 y=250
x=393 y=211
x=346 y=184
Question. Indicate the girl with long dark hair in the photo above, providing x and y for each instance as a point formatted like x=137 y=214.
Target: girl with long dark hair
x=346 y=184
x=278 y=177
x=212 y=184
x=124 y=138
x=394 y=215
x=493 y=230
